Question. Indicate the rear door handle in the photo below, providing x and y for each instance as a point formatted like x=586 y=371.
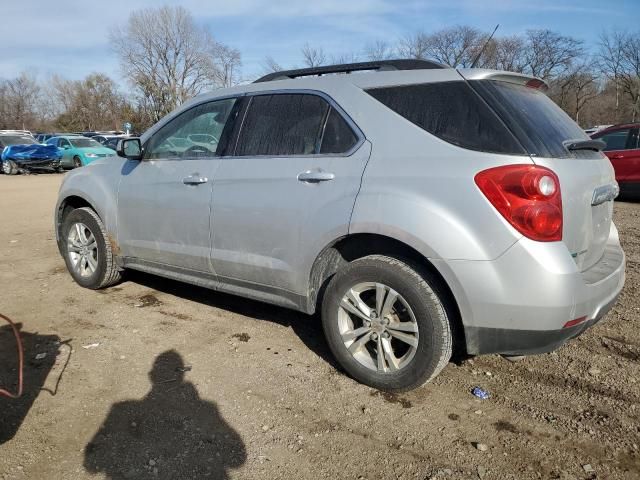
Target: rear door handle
x=194 y=179
x=315 y=176
x=617 y=156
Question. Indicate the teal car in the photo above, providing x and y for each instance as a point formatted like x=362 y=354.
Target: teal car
x=78 y=150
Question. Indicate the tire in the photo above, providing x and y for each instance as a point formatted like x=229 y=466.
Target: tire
x=77 y=162
x=98 y=272
x=417 y=307
x=9 y=167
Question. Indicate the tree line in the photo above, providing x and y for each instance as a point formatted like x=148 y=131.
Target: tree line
x=166 y=58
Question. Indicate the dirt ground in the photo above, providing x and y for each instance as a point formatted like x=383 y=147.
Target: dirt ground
x=154 y=379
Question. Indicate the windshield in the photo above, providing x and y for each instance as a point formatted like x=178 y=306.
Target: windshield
x=7 y=140
x=84 y=143
x=537 y=122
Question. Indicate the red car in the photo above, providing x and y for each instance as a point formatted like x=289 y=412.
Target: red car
x=623 y=149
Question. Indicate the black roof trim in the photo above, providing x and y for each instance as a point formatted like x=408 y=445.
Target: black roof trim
x=384 y=65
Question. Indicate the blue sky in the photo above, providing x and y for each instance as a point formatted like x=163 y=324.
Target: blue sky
x=69 y=37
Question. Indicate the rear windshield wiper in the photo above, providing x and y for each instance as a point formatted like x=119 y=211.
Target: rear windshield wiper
x=596 y=145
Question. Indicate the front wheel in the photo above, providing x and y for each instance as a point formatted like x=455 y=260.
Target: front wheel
x=385 y=323
x=87 y=252
x=9 y=167
x=77 y=162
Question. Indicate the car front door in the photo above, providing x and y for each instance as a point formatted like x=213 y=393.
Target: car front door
x=286 y=190
x=65 y=145
x=164 y=201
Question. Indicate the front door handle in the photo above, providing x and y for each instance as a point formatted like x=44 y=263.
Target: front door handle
x=617 y=156
x=315 y=176
x=194 y=179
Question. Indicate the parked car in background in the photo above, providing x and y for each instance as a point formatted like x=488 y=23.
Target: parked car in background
x=79 y=151
x=422 y=209
x=19 y=152
x=595 y=128
x=43 y=137
x=623 y=149
x=104 y=139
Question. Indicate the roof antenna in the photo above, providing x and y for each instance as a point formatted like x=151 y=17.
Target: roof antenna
x=484 y=46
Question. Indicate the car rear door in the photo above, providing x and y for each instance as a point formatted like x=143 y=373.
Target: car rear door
x=164 y=201
x=286 y=189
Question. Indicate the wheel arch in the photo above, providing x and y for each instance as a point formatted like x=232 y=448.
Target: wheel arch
x=351 y=247
x=65 y=206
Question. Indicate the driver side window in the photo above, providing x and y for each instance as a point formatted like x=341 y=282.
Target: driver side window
x=192 y=134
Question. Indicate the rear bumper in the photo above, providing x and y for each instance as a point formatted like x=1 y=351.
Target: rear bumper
x=519 y=303
x=528 y=342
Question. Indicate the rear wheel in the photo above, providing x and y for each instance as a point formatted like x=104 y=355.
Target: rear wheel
x=87 y=252
x=77 y=162
x=385 y=323
x=9 y=167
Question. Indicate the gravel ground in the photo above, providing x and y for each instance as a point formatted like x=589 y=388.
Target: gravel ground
x=154 y=379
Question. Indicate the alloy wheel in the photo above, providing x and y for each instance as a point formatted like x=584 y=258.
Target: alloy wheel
x=82 y=249
x=378 y=327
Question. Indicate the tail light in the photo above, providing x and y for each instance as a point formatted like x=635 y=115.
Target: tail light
x=528 y=197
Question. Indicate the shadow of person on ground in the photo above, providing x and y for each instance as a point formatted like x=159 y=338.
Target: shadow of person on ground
x=170 y=433
x=307 y=327
x=36 y=369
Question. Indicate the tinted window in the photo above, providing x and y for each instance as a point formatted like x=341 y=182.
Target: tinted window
x=538 y=123
x=338 y=136
x=194 y=133
x=288 y=124
x=451 y=111
x=63 y=142
x=615 y=140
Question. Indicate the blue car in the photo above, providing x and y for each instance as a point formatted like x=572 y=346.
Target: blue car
x=20 y=152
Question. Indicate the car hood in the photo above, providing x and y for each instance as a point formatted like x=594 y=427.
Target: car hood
x=31 y=152
x=97 y=150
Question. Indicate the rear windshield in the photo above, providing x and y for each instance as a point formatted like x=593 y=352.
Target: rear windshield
x=453 y=112
x=537 y=122
x=7 y=140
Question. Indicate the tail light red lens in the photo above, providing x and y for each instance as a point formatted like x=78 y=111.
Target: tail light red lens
x=528 y=197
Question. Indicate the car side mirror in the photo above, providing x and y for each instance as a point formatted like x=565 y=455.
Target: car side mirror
x=130 y=148
x=66 y=147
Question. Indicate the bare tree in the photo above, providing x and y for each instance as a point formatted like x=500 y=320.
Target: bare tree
x=227 y=63
x=90 y=104
x=313 y=57
x=413 y=46
x=509 y=54
x=345 y=58
x=269 y=65
x=455 y=46
x=378 y=50
x=549 y=54
x=611 y=57
x=630 y=72
x=575 y=89
x=20 y=97
x=168 y=58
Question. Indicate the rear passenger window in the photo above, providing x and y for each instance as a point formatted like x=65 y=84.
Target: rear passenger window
x=615 y=140
x=282 y=124
x=452 y=112
x=338 y=136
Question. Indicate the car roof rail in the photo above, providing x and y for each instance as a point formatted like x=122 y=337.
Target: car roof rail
x=380 y=66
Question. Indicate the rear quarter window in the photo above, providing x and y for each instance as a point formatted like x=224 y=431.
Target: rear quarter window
x=540 y=125
x=453 y=112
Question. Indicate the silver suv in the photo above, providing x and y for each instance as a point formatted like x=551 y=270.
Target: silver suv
x=421 y=209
